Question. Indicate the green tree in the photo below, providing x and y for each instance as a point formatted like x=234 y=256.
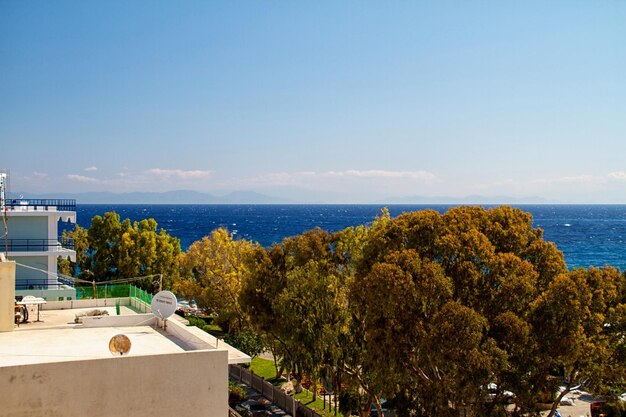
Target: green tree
x=435 y=310
x=110 y=249
x=297 y=299
x=80 y=237
x=214 y=270
x=444 y=299
x=583 y=312
x=246 y=341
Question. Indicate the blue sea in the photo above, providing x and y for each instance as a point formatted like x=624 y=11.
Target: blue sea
x=588 y=235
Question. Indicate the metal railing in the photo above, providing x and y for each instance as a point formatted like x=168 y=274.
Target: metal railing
x=41 y=284
x=37 y=204
x=40 y=245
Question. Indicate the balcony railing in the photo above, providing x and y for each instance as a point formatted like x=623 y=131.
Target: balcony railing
x=34 y=204
x=42 y=284
x=39 y=245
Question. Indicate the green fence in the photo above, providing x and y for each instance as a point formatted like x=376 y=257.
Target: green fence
x=140 y=294
x=103 y=291
x=113 y=291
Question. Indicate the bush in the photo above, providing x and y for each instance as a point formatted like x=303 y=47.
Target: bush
x=236 y=394
x=201 y=324
x=246 y=341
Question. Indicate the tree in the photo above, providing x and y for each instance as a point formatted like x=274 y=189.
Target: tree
x=246 y=341
x=110 y=249
x=444 y=299
x=80 y=237
x=442 y=313
x=583 y=311
x=214 y=270
x=297 y=300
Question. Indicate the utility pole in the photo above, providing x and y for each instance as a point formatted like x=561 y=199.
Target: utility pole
x=3 y=206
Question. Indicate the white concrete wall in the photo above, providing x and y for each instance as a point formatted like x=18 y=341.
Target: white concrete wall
x=199 y=339
x=49 y=294
x=194 y=337
x=178 y=384
x=119 y=321
x=7 y=294
x=100 y=302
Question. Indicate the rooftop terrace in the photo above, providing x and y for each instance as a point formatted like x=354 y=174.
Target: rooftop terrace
x=57 y=338
x=37 y=204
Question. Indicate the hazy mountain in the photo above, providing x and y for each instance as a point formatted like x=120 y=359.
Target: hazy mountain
x=471 y=199
x=167 y=197
x=253 y=197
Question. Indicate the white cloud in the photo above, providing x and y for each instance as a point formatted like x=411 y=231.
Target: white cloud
x=39 y=174
x=179 y=173
x=91 y=169
x=580 y=179
x=581 y=188
x=82 y=178
x=412 y=175
x=620 y=176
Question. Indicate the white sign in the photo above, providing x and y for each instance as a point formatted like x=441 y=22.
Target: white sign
x=163 y=304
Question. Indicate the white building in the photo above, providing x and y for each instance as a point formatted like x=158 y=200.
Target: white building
x=56 y=367
x=34 y=244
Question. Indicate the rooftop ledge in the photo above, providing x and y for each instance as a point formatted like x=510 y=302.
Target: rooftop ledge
x=39 y=204
x=58 y=339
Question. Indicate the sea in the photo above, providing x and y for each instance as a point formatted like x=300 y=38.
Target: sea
x=588 y=235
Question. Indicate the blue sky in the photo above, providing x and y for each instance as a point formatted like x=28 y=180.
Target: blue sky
x=316 y=101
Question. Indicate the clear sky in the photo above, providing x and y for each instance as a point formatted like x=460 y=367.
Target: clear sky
x=335 y=101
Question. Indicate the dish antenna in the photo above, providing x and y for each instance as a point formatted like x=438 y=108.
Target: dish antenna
x=119 y=345
x=163 y=304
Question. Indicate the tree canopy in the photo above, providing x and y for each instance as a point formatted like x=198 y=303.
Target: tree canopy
x=111 y=249
x=440 y=314
x=435 y=310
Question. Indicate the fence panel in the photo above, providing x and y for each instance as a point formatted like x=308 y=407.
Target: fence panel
x=272 y=393
x=257 y=382
x=233 y=413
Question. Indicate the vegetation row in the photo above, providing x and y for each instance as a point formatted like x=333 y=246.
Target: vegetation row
x=439 y=314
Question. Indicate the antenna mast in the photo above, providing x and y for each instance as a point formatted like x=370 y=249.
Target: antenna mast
x=4 y=208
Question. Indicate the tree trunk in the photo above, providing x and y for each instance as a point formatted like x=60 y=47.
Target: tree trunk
x=298 y=386
x=560 y=397
x=275 y=363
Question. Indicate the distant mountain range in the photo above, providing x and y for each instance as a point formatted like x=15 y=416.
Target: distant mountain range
x=471 y=199
x=167 y=197
x=252 y=197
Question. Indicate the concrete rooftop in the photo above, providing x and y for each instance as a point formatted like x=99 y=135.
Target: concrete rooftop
x=56 y=338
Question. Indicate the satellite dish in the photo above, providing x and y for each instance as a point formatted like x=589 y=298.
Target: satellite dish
x=163 y=304
x=119 y=345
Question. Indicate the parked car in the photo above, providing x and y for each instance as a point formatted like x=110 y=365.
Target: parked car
x=374 y=410
x=494 y=392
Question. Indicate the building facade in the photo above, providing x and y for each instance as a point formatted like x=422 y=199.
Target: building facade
x=32 y=241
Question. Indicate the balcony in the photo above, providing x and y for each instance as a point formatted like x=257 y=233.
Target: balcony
x=44 y=284
x=34 y=204
x=39 y=245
